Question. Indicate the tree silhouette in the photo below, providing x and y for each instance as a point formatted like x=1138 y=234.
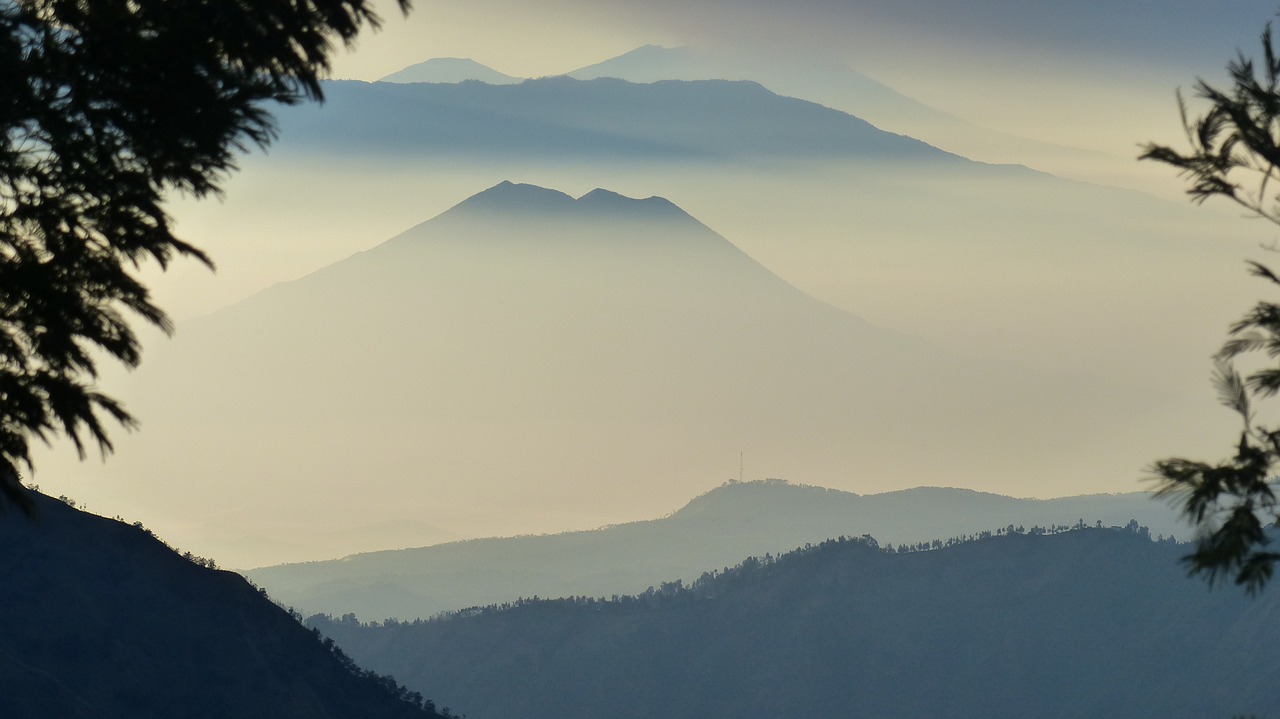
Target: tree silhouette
x=1235 y=153
x=105 y=106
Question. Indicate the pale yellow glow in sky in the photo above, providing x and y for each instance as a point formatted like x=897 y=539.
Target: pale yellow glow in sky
x=1109 y=100
x=978 y=277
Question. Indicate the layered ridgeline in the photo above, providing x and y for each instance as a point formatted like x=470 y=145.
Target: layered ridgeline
x=833 y=83
x=988 y=258
x=600 y=120
x=100 y=620
x=713 y=531
x=815 y=78
x=527 y=360
x=1091 y=622
x=992 y=260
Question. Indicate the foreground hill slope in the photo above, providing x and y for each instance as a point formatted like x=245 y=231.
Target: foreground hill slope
x=532 y=358
x=712 y=531
x=1092 y=622
x=98 y=619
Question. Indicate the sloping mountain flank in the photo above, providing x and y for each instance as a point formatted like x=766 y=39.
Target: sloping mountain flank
x=98 y=619
x=598 y=119
x=1091 y=622
x=712 y=531
x=528 y=353
x=830 y=82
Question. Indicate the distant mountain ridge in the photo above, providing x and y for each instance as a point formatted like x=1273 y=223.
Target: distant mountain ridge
x=595 y=119
x=832 y=83
x=717 y=529
x=807 y=77
x=813 y=78
x=1090 y=622
x=450 y=70
x=525 y=346
x=508 y=197
x=100 y=620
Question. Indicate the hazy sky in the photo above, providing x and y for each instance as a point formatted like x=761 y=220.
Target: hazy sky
x=1080 y=72
x=1099 y=76
x=1093 y=74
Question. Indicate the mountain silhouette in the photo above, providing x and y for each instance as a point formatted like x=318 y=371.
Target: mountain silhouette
x=1090 y=622
x=450 y=70
x=100 y=619
x=598 y=119
x=543 y=359
x=716 y=529
x=797 y=76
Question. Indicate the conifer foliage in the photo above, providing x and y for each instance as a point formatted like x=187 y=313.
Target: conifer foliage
x=106 y=106
x=1235 y=153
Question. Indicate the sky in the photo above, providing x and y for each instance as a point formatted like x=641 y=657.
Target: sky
x=1098 y=76
x=1082 y=72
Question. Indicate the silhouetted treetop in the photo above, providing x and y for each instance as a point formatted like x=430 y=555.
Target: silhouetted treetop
x=105 y=106
x=1235 y=153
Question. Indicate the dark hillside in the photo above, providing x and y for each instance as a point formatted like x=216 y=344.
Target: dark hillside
x=99 y=619
x=1091 y=622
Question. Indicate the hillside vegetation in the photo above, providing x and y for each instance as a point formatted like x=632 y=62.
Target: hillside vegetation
x=714 y=530
x=1092 y=622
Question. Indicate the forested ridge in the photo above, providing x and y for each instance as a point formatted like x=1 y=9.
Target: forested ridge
x=750 y=569
x=712 y=531
x=1046 y=622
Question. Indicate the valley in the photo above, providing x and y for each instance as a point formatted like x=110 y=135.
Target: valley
x=448 y=432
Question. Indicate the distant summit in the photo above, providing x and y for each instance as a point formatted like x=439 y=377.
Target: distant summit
x=833 y=83
x=651 y=63
x=507 y=198
x=649 y=254
x=810 y=76
x=601 y=200
x=450 y=70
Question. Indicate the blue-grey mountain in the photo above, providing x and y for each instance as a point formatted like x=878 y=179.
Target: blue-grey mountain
x=1091 y=622
x=527 y=350
x=821 y=78
x=602 y=119
x=450 y=69
x=715 y=530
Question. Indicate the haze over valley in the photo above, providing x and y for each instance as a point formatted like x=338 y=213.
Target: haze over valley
x=1053 y=327
x=710 y=359
x=527 y=362
x=712 y=531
